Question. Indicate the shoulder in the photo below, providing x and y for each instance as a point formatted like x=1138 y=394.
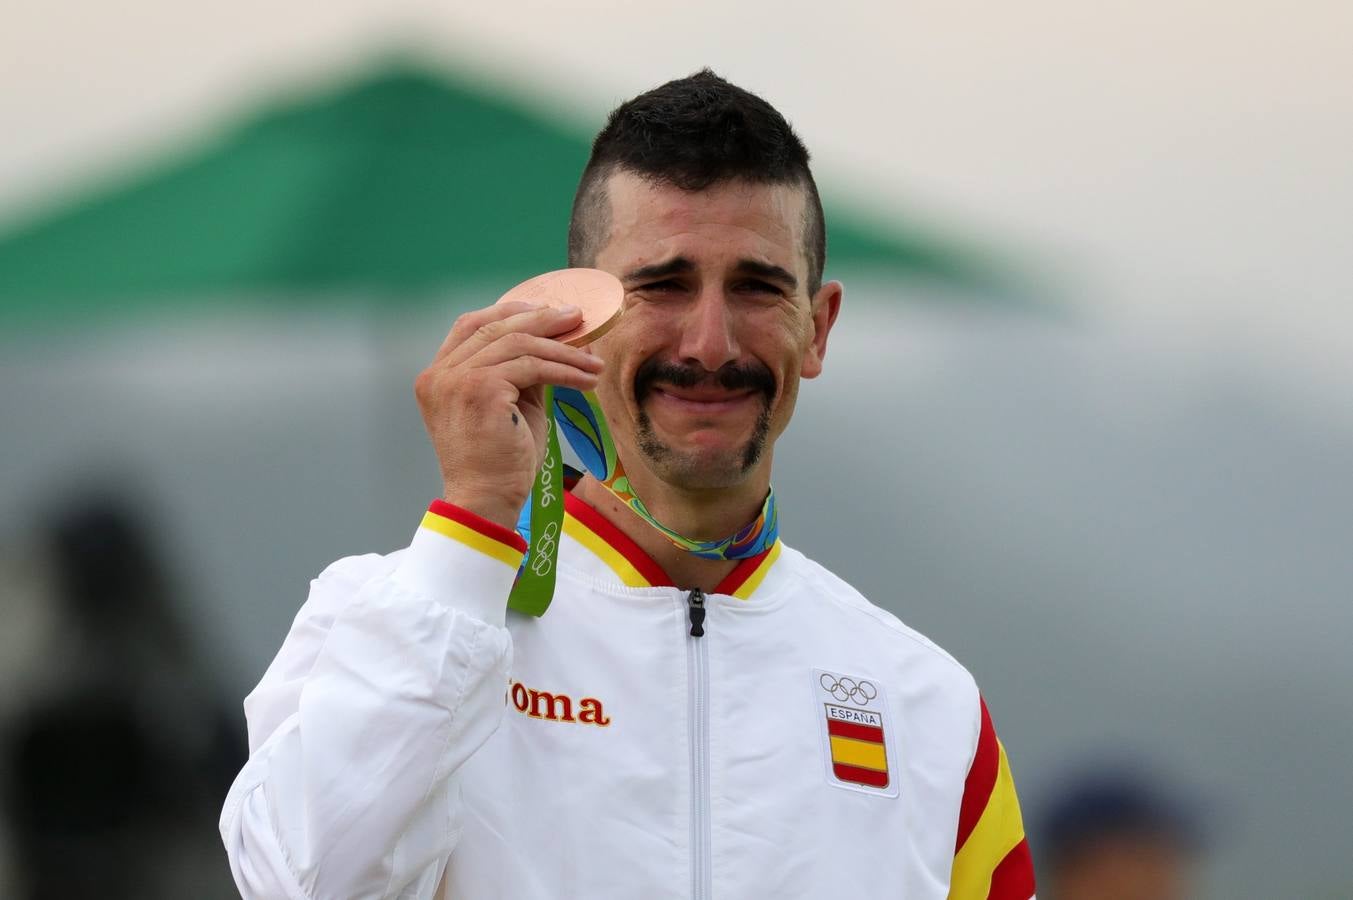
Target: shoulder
x=870 y=621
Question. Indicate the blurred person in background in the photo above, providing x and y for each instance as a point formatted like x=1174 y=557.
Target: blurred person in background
x=694 y=715
x=1117 y=834
x=114 y=746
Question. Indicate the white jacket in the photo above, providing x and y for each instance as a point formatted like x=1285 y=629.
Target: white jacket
x=411 y=740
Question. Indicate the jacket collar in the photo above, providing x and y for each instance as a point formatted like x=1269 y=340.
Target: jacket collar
x=634 y=568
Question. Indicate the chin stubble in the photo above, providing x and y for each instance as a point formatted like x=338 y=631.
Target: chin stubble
x=663 y=456
x=731 y=377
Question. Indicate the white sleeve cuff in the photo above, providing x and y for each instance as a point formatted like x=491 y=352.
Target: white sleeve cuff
x=463 y=561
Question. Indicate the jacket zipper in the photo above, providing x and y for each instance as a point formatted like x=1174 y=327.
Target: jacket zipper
x=697 y=661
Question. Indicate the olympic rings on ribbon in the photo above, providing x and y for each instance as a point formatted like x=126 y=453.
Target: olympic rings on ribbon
x=544 y=550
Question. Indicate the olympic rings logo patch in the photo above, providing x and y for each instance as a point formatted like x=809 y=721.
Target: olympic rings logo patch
x=848 y=689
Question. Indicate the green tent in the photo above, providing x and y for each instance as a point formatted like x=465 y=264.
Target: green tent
x=391 y=190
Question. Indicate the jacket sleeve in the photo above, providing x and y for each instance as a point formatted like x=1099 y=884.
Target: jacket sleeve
x=991 y=855
x=391 y=677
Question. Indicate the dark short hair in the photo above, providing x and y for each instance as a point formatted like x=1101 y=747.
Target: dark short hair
x=694 y=133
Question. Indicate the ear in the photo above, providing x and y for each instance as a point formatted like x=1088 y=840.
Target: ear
x=825 y=308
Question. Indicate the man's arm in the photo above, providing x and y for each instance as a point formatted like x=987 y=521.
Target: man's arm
x=382 y=690
x=387 y=684
x=991 y=856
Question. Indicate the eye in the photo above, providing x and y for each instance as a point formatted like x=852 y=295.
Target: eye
x=665 y=286
x=757 y=286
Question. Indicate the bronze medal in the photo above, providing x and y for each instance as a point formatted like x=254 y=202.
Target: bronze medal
x=598 y=294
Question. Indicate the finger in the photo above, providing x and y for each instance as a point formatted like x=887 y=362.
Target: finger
x=542 y=322
x=526 y=372
x=519 y=343
x=467 y=324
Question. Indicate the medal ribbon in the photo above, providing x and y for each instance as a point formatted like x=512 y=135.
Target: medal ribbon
x=579 y=416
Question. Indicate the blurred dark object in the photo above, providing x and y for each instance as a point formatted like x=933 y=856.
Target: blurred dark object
x=115 y=767
x=1117 y=834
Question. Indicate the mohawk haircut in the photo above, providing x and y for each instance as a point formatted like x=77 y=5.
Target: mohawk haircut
x=694 y=133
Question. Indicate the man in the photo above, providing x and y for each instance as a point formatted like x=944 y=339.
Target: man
x=686 y=720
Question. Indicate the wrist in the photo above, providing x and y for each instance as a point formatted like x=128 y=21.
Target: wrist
x=493 y=509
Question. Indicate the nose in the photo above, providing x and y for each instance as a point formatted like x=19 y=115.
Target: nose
x=707 y=335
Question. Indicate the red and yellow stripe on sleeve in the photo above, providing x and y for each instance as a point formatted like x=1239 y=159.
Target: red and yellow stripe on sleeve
x=991 y=857
x=489 y=538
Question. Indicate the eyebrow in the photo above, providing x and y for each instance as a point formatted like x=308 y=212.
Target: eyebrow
x=769 y=272
x=680 y=265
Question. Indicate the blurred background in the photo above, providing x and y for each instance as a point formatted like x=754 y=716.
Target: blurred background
x=1092 y=385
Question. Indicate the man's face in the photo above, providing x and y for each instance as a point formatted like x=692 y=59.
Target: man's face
x=702 y=370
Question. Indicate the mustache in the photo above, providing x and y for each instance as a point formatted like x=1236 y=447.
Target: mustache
x=730 y=377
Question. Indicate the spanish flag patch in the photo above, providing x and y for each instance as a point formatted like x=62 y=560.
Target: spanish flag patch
x=855 y=732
